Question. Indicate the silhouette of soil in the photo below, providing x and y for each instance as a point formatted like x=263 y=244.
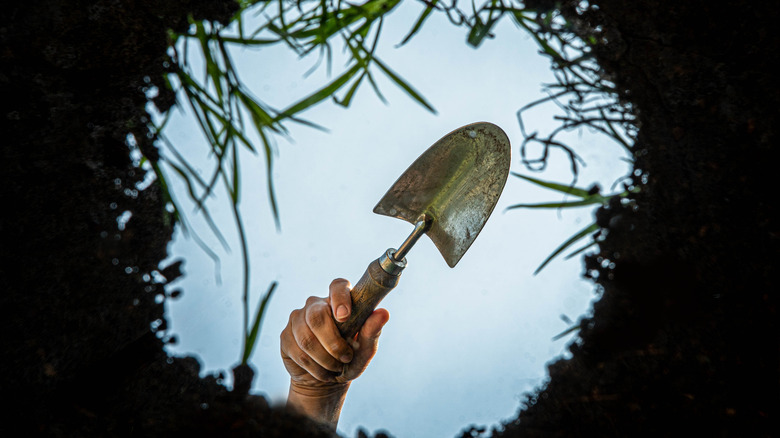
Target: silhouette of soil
x=684 y=337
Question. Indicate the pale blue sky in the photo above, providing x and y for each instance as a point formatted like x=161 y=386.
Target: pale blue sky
x=462 y=344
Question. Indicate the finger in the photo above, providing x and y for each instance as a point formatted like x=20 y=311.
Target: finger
x=306 y=352
x=301 y=366
x=288 y=350
x=307 y=341
x=292 y=355
x=372 y=328
x=321 y=324
x=340 y=299
x=366 y=344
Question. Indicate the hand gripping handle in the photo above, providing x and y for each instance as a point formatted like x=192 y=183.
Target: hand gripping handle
x=381 y=277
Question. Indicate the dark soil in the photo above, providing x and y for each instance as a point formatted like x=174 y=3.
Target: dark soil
x=683 y=341
x=79 y=357
x=684 y=338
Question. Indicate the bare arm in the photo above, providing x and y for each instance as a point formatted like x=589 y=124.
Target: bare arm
x=320 y=362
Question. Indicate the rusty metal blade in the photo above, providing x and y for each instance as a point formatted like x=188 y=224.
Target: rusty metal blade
x=457 y=182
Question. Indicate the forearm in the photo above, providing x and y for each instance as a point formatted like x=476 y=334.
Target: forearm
x=321 y=404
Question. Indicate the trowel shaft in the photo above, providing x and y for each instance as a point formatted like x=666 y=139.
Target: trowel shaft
x=423 y=225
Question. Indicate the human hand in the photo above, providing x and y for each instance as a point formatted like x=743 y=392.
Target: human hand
x=320 y=362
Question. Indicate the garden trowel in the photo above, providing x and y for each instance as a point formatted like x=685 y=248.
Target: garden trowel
x=448 y=193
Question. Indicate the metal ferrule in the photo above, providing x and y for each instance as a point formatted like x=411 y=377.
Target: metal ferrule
x=389 y=264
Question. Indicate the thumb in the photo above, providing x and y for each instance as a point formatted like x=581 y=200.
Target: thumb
x=365 y=346
x=372 y=328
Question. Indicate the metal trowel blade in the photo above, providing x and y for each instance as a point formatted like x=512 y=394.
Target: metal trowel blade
x=457 y=183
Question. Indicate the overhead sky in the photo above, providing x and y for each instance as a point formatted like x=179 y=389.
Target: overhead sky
x=462 y=345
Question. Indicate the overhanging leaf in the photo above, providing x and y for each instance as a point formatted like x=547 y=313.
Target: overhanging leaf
x=406 y=87
x=424 y=16
x=573 y=204
x=579 y=235
x=320 y=95
x=251 y=337
x=569 y=190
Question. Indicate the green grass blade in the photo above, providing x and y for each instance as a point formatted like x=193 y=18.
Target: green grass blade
x=167 y=195
x=309 y=123
x=260 y=117
x=212 y=68
x=581 y=250
x=571 y=329
x=348 y=97
x=406 y=87
x=251 y=337
x=180 y=219
x=319 y=95
x=237 y=218
x=190 y=172
x=235 y=176
x=376 y=88
x=238 y=134
x=200 y=205
x=186 y=177
x=579 y=235
x=520 y=19
x=270 y=180
x=480 y=31
x=418 y=25
x=191 y=87
x=214 y=228
x=573 y=204
x=569 y=190
x=249 y=41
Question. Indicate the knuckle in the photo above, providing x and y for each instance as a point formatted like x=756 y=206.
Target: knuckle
x=307 y=343
x=293 y=316
x=340 y=286
x=316 y=317
x=312 y=300
x=339 y=281
x=304 y=360
x=286 y=338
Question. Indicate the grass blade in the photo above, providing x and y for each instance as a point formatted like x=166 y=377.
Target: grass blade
x=320 y=95
x=236 y=176
x=581 y=250
x=251 y=337
x=416 y=28
x=579 y=235
x=348 y=97
x=571 y=329
x=480 y=31
x=270 y=180
x=569 y=190
x=248 y=41
x=574 y=204
x=406 y=87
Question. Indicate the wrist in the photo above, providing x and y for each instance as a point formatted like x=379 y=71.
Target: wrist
x=322 y=403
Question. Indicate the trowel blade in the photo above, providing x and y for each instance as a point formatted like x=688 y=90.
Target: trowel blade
x=457 y=182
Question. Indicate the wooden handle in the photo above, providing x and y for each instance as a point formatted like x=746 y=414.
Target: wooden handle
x=368 y=292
